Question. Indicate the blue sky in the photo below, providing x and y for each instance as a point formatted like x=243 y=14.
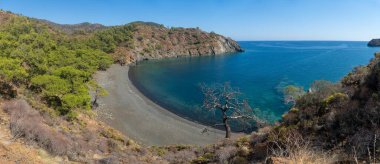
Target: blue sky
x=239 y=19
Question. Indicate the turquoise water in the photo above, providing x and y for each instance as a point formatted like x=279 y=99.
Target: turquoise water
x=260 y=72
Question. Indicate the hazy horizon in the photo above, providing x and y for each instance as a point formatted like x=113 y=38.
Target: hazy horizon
x=242 y=20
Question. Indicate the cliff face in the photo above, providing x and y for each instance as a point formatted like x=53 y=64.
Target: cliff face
x=374 y=43
x=153 y=41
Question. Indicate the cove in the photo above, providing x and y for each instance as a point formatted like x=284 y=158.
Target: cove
x=260 y=73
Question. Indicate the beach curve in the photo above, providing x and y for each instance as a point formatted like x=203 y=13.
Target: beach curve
x=139 y=118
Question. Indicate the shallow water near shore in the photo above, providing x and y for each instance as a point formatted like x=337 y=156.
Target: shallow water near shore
x=261 y=72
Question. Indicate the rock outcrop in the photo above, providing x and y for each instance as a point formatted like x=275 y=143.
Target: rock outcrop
x=374 y=43
x=154 y=41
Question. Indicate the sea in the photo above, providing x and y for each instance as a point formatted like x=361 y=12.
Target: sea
x=260 y=73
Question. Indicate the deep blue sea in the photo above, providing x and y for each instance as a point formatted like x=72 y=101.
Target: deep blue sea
x=261 y=72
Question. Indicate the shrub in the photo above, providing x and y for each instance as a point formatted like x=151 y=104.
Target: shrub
x=205 y=158
x=293 y=148
x=28 y=123
x=226 y=153
x=183 y=156
x=293 y=93
x=336 y=97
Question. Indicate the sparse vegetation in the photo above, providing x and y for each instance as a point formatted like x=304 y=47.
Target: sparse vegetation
x=28 y=123
x=291 y=147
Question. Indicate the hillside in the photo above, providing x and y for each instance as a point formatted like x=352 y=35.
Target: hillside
x=333 y=121
x=46 y=80
x=154 y=41
x=44 y=55
x=147 y=40
x=374 y=43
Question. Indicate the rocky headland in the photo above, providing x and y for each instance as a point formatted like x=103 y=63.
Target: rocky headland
x=374 y=43
x=147 y=40
x=155 y=41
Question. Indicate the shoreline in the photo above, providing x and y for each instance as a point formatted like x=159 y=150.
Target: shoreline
x=139 y=118
x=141 y=91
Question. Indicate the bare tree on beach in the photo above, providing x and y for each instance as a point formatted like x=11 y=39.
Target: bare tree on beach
x=227 y=100
x=99 y=91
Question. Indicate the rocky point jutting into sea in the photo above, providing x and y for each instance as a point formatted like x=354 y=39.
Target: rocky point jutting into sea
x=154 y=41
x=374 y=43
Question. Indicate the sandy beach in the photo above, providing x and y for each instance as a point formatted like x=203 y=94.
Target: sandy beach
x=141 y=119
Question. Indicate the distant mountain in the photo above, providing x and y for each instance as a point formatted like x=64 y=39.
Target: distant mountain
x=81 y=28
x=374 y=43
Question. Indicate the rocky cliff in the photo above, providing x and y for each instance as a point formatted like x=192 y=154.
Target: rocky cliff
x=374 y=43
x=154 y=41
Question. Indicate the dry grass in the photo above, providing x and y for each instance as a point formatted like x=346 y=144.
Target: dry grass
x=293 y=148
x=225 y=154
x=28 y=123
x=15 y=151
x=86 y=141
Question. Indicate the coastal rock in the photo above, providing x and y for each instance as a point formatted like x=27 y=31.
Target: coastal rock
x=154 y=41
x=374 y=43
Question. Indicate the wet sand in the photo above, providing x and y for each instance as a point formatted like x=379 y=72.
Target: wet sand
x=141 y=119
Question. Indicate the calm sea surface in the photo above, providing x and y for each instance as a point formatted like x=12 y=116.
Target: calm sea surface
x=261 y=72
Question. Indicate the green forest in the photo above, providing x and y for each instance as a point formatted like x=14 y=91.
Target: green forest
x=58 y=67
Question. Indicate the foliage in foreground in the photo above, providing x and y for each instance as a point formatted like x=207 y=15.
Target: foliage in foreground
x=342 y=117
x=83 y=141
